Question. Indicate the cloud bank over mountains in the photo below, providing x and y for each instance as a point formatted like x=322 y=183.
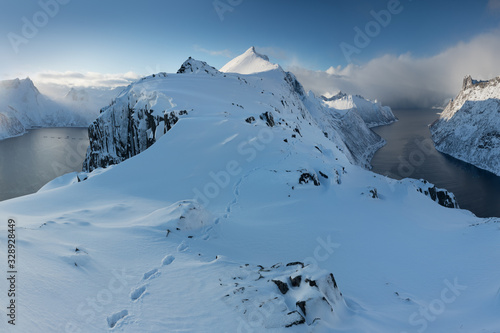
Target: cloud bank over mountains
x=406 y=81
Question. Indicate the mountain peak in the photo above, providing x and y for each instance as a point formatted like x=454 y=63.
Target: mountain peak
x=249 y=62
x=196 y=66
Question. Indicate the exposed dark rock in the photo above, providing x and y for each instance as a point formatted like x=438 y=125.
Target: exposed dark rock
x=295 y=263
x=441 y=196
x=306 y=177
x=268 y=118
x=374 y=193
x=282 y=286
x=109 y=146
x=250 y=119
x=299 y=321
x=312 y=283
x=302 y=306
x=295 y=281
x=322 y=174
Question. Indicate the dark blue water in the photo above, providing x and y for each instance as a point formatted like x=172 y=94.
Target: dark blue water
x=30 y=161
x=410 y=153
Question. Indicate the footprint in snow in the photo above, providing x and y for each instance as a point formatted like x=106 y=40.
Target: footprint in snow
x=167 y=260
x=115 y=318
x=151 y=274
x=182 y=247
x=137 y=293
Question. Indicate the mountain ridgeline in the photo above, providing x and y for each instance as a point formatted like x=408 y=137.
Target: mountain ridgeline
x=264 y=95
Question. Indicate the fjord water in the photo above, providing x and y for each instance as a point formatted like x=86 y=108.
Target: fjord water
x=29 y=161
x=410 y=153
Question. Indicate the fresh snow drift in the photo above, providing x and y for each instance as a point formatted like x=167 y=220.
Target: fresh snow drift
x=242 y=215
x=469 y=126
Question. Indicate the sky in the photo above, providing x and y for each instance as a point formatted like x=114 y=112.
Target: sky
x=405 y=53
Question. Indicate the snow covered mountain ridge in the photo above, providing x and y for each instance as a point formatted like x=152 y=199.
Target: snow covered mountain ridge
x=149 y=108
x=469 y=126
x=22 y=107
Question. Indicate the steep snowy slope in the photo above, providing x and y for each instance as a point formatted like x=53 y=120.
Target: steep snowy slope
x=149 y=108
x=373 y=113
x=229 y=223
x=469 y=126
x=249 y=62
x=22 y=107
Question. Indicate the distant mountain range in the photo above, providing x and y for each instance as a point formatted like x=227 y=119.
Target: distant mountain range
x=22 y=107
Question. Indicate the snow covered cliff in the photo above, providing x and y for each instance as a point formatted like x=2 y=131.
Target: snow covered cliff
x=149 y=108
x=22 y=107
x=469 y=126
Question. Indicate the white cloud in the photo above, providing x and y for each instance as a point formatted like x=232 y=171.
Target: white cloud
x=408 y=81
x=225 y=53
x=89 y=79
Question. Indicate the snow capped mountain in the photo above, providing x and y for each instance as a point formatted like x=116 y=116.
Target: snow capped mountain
x=22 y=107
x=249 y=62
x=469 y=126
x=373 y=113
x=235 y=205
x=149 y=108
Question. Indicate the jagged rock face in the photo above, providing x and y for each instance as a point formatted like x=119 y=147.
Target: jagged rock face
x=439 y=195
x=195 y=66
x=469 y=126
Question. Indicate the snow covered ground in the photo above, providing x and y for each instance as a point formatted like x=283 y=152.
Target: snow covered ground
x=229 y=225
x=469 y=126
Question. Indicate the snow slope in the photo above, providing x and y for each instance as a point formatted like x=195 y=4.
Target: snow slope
x=469 y=126
x=249 y=62
x=228 y=225
x=373 y=113
x=22 y=107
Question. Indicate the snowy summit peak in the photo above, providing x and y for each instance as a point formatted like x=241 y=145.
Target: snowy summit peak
x=249 y=62
x=196 y=66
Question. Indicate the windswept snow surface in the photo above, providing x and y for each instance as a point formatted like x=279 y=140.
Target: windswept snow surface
x=22 y=107
x=206 y=230
x=469 y=126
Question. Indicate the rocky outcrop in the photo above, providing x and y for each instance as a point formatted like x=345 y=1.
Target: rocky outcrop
x=439 y=195
x=469 y=126
x=283 y=295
